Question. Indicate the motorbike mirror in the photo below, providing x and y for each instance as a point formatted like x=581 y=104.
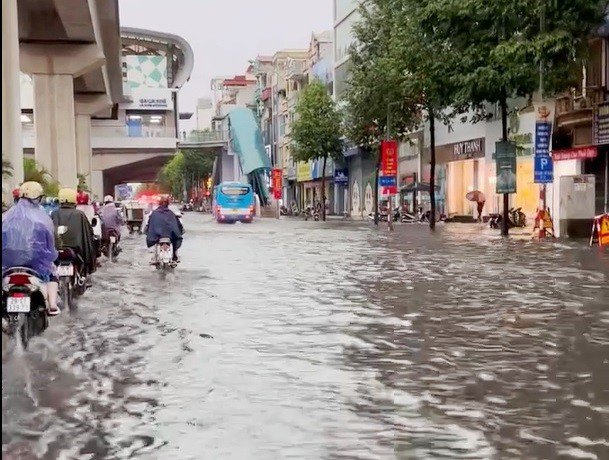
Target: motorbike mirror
x=62 y=229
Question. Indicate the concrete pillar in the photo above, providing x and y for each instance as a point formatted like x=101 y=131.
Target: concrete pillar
x=55 y=126
x=83 y=146
x=97 y=184
x=12 y=147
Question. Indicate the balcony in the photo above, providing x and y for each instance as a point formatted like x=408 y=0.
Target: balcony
x=576 y=109
x=295 y=70
x=266 y=94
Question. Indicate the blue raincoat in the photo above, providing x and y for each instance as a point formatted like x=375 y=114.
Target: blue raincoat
x=28 y=239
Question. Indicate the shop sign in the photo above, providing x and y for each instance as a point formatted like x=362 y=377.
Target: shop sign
x=303 y=171
x=577 y=153
x=473 y=148
x=544 y=169
x=341 y=176
x=601 y=124
x=276 y=181
x=506 y=167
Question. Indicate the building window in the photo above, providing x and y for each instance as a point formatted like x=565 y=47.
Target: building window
x=146 y=124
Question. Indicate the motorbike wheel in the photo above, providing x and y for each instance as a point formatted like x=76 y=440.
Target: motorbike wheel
x=110 y=254
x=25 y=330
x=67 y=293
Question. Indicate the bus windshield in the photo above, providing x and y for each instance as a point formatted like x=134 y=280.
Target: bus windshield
x=234 y=190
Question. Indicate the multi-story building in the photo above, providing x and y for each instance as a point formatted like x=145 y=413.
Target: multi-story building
x=263 y=71
x=359 y=164
x=287 y=80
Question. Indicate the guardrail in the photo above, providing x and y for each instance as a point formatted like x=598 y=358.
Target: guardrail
x=204 y=137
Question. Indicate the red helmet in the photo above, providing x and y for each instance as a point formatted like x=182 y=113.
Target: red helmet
x=16 y=193
x=82 y=198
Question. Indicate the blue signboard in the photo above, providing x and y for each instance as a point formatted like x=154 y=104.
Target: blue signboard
x=543 y=137
x=544 y=169
x=341 y=176
x=388 y=181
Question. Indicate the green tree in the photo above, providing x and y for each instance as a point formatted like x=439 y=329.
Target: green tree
x=402 y=76
x=505 y=45
x=82 y=184
x=32 y=171
x=184 y=170
x=317 y=130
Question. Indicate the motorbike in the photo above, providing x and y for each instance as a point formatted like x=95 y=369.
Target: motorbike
x=284 y=211
x=24 y=308
x=163 y=255
x=307 y=213
x=109 y=245
x=97 y=234
x=517 y=218
x=71 y=273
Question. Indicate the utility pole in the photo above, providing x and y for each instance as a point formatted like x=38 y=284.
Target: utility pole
x=389 y=208
x=504 y=136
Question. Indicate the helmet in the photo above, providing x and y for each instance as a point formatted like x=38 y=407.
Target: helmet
x=16 y=193
x=108 y=199
x=82 y=198
x=164 y=200
x=67 y=195
x=31 y=190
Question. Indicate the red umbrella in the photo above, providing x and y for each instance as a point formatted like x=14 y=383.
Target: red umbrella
x=476 y=196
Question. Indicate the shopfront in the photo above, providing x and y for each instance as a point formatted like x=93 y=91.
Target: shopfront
x=463 y=163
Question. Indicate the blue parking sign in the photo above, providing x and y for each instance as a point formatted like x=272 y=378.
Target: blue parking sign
x=544 y=169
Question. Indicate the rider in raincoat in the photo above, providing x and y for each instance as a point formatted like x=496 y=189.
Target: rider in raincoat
x=163 y=223
x=28 y=240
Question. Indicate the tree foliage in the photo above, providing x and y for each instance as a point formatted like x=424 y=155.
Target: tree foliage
x=32 y=171
x=184 y=170
x=317 y=129
x=7 y=169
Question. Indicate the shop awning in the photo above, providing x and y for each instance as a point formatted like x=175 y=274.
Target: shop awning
x=417 y=187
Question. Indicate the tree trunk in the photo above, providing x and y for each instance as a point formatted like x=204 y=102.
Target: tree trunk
x=505 y=228
x=376 y=187
x=432 y=170
x=323 y=189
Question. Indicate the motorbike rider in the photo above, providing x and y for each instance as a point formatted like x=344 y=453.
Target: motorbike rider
x=110 y=217
x=79 y=235
x=82 y=203
x=163 y=223
x=28 y=240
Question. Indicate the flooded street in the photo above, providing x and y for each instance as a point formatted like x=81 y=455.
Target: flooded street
x=293 y=339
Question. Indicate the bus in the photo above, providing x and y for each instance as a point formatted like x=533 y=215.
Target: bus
x=233 y=202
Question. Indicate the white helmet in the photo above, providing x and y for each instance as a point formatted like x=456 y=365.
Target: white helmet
x=31 y=190
x=108 y=199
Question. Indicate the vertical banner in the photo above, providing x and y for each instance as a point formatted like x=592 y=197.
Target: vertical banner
x=276 y=182
x=506 y=167
x=388 y=179
x=544 y=169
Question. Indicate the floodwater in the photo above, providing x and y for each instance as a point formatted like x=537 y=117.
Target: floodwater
x=304 y=340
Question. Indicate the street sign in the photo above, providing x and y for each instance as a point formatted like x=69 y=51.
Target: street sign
x=544 y=169
x=506 y=167
x=276 y=181
x=543 y=136
x=341 y=176
x=601 y=124
x=388 y=181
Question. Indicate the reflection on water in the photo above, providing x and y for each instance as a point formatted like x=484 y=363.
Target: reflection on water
x=297 y=339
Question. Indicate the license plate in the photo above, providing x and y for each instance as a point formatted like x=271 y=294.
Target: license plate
x=65 y=270
x=18 y=305
x=113 y=239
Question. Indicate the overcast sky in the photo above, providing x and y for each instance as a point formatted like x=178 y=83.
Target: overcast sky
x=225 y=34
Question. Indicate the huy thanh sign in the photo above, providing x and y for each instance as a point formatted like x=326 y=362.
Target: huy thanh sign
x=465 y=150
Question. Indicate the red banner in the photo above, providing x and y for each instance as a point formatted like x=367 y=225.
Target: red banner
x=578 y=153
x=389 y=158
x=276 y=182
